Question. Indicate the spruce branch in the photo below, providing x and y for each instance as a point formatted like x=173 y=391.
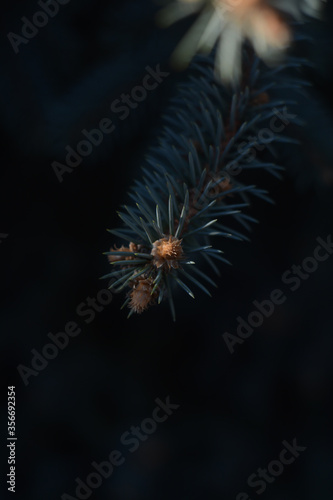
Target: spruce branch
x=192 y=188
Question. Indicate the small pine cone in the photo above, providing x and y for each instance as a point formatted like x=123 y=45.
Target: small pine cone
x=141 y=296
x=167 y=252
x=131 y=248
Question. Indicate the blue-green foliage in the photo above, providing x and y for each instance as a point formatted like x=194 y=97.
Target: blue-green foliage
x=192 y=186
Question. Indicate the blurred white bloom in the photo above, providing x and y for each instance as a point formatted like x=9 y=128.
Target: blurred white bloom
x=229 y=22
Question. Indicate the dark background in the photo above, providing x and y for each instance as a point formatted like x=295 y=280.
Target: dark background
x=235 y=410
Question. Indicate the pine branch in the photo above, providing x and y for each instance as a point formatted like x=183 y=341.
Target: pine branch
x=192 y=188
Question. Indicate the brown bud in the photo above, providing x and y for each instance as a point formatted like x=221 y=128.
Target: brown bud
x=141 y=296
x=167 y=252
